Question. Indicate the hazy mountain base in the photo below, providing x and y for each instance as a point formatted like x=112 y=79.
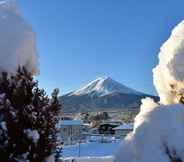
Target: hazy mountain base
x=111 y=102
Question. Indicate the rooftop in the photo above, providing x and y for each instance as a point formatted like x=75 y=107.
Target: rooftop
x=71 y=122
x=125 y=126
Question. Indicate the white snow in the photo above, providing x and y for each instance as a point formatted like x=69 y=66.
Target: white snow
x=91 y=152
x=23 y=157
x=32 y=134
x=159 y=127
x=70 y=122
x=100 y=139
x=90 y=159
x=91 y=149
x=125 y=126
x=3 y=125
x=17 y=43
x=103 y=86
x=169 y=73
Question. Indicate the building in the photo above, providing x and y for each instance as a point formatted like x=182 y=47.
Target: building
x=70 y=131
x=122 y=130
x=108 y=127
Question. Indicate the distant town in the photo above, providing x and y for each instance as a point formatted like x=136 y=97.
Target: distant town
x=82 y=133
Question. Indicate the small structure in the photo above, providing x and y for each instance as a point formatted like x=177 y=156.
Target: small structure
x=122 y=130
x=70 y=131
x=93 y=131
x=107 y=128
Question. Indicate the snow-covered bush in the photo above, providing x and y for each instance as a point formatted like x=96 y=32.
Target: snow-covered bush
x=27 y=119
x=159 y=127
x=157 y=136
x=18 y=41
x=27 y=115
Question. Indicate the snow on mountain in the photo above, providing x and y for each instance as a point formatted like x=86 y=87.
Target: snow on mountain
x=102 y=94
x=104 y=86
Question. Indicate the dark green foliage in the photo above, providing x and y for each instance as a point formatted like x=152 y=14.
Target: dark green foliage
x=24 y=108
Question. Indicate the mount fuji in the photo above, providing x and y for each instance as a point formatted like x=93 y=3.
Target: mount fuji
x=102 y=94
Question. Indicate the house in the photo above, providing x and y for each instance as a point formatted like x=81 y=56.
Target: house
x=107 y=128
x=122 y=130
x=94 y=131
x=70 y=131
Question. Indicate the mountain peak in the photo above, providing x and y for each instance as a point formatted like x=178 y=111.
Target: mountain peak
x=103 y=78
x=103 y=86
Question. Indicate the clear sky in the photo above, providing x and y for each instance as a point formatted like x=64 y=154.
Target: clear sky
x=79 y=40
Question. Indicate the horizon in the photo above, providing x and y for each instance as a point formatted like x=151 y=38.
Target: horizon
x=85 y=40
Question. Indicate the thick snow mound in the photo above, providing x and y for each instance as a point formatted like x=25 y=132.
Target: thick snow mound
x=169 y=73
x=159 y=128
x=158 y=133
x=17 y=43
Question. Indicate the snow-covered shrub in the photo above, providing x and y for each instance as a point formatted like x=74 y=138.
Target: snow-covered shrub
x=18 y=41
x=27 y=119
x=157 y=136
x=159 y=127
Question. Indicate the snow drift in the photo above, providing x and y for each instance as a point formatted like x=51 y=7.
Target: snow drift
x=17 y=43
x=169 y=73
x=89 y=159
x=159 y=127
x=158 y=134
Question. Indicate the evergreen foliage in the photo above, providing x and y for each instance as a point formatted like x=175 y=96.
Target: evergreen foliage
x=28 y=119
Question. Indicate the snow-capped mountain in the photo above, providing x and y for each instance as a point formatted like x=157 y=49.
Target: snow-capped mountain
x=104 y=86
x=102 y=94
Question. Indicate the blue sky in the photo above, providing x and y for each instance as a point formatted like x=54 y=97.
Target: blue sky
x=79 y=40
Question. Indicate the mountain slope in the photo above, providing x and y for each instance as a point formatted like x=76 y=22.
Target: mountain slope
x=102 y=94
x=104 y=86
